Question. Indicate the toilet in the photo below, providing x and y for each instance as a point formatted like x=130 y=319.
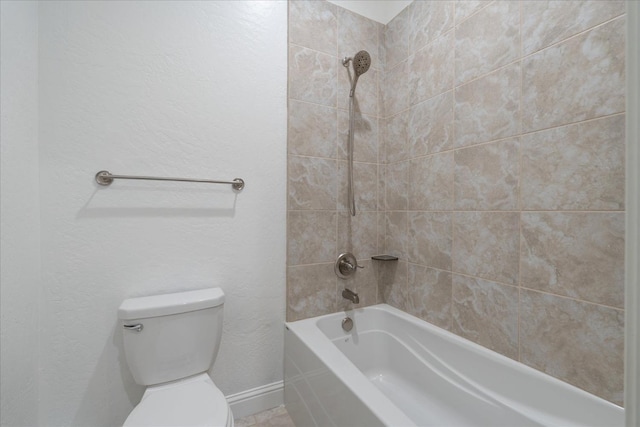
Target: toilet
x=170 y=342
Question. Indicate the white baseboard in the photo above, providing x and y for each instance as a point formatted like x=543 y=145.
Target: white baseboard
x=257 y=399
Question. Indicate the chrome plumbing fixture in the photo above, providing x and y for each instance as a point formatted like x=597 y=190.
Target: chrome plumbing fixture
x=361 y=63
x=351 y=296
x=346 y=265
x=106 y=178
x=347 y=324
x=138 y=327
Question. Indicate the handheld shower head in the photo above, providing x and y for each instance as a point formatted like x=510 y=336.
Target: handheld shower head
x=361 y=63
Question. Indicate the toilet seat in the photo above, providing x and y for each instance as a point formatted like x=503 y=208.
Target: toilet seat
x=187 y=403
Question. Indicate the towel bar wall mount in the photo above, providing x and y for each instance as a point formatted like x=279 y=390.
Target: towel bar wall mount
x=106 y=178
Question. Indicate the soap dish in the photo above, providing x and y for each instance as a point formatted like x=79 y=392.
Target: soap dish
x=384 y=258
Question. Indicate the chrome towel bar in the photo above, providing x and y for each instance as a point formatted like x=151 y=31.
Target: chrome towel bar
x=106 y=178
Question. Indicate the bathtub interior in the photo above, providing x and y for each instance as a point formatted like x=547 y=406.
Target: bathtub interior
x=430 y=397
x=436 y=377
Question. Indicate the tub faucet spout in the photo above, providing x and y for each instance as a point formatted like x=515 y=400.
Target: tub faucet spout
x=351 y=296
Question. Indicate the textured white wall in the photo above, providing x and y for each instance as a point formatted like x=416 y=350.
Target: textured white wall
x=19 y=213
x=193 y=89
x=381 y=11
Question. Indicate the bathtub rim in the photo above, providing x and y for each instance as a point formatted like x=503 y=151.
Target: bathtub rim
x=308 y=331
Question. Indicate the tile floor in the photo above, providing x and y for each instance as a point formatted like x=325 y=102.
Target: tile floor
x=276 y=417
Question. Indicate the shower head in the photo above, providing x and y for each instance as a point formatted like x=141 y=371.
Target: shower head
x=361 y=63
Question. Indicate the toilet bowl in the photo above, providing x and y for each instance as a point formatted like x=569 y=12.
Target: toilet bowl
x=192 y=402
x=170 y=343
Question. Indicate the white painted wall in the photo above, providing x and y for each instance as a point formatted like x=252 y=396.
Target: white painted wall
x=381 y=11
x=193 y=89
x=19 y=213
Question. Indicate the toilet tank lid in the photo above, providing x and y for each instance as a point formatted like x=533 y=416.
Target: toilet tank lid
x=164 y=305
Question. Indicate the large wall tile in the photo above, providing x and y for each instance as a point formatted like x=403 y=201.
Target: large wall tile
x=392 y=284
x=310 y=291
x=427 y=21
x=356 y=33
x=395 y=90
x=366 y=93
x=580 y=255
x=312 y=76
x=365 y=184
x=312 y=183
x=311 y=237
x=466 y=8
x=313 y=24
x=396 y=39
x=396 y=234
x=365 y=137
x=575 y=167
x=429 y=295
x=550 y=21
x=395 y=138
x=486 y=313
x=358 y=234
x=488 y=108
x=485 y=244
x=364 y=282
x=486 y=176
x=431 y=69
x=431 y=182
x=397 y=186
x=430 y=239
x=430 y=127
x=577 y=342
x=312 y=129
x=487 y=40
x=581 y=78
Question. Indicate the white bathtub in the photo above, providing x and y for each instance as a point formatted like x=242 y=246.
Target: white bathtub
x=393 y=369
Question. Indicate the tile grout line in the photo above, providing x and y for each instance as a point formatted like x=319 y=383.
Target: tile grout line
x=338 y=143
x=578 y=34
x=516 y=286
x=610 y=307
x=532 y=211
x=474 y=13
x=519 y=189
x=522 y=57
x=453 y=138
x=336 y=56
x=515 y=136
x=381 y=131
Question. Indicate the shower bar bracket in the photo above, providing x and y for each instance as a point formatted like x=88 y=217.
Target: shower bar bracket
x=106 y=178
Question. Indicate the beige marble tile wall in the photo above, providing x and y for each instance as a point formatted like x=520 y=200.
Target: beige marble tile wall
x=319 y=225
x=502 y=143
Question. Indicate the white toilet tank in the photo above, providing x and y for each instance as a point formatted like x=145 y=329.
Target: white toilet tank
x=172 y=336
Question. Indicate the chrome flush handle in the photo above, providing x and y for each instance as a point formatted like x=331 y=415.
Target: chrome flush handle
x=138 y=327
